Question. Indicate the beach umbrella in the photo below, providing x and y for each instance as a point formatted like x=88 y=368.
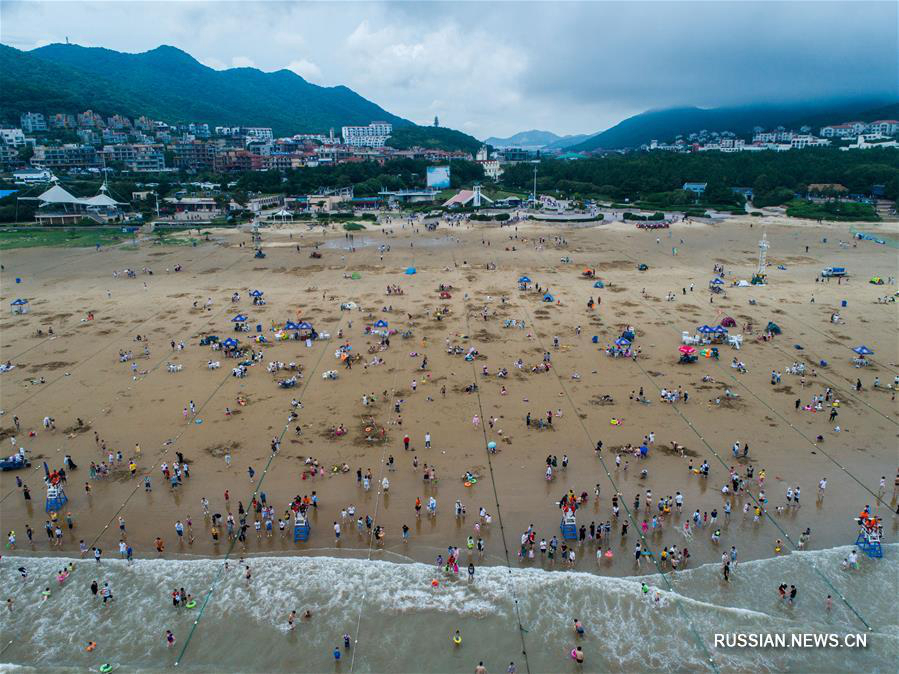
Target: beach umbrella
x=256 y=293
x=491 y=445
x=863 y=350
x=240 y=318
x=621 y=341
x=687 y=350
x=305 y=325
x=705 y=329
x=524 y=279
x=410 y=270
x=548 y=298
x=290 y=325
x=717 y=281
x=381 y=323
x=19 y=302
x=230 y=343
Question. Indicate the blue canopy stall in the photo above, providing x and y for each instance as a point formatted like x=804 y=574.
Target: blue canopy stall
x=548 y=298
x=290 y=325
x=256 y=293
x=381 y=323
x=19 y=306
x=863 y=350
x=524 y=279
x=621 y=341
x=230 y=343
x=705 y=329
x=411 y=270
x=240 y=318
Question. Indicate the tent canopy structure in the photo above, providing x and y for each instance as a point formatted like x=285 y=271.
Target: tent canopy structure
x=411 y=270
x=718 y=330
x=230 y=343
x=863 y=350
x=381 y=323
x=304 y=325
x=19 y=302
x=290 y=325
x=687 y=350
x=705 y=329
x=716 y=281
x=548 y=298
x=621 y=341
x=524 y=279
x=240 y=318
x=256 y=293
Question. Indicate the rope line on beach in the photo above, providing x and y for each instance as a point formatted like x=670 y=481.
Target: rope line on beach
x=371 y=537
x=499 y=513
x=816 y=445
x=646 y=545
x=221 y=572
x=758 y=503
x=256 y=489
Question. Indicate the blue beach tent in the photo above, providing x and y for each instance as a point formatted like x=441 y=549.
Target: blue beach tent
x=240 y=318
x=863 y=350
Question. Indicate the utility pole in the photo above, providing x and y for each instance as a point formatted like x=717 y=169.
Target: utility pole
x=534 y=193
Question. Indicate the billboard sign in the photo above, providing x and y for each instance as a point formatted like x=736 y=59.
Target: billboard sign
x=439 y=177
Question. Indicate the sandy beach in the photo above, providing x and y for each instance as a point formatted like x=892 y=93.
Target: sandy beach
x=85 y=379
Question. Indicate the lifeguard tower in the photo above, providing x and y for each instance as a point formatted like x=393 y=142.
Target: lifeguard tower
x=301 y=529
x=869 y=537
x=56 y=498
x=569 y=525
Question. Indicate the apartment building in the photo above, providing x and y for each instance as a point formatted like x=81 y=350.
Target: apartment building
x=67 y=156
x=32 y=122
x=373 y=135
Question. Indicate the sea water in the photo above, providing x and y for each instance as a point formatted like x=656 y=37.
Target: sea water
x=400 y=622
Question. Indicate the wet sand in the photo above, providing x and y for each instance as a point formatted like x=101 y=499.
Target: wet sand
x=85 y=379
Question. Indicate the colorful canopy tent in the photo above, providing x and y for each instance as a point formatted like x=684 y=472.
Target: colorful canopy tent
x=230 y=343
x=240 y=318
x=381 y=323
x=718 y=330
x=621 y=341
x=863 y=350
x=256 y=293
x=524 y=279
x=411 y=270
x=687 y=350
x=19 y=306
x=773 y=328
x=304 y=325
x=599 y=284
x=290 y=325
x=548 y=298
x=728 y=322
x=705 y=329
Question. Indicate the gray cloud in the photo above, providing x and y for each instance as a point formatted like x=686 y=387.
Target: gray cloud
x=494 y=68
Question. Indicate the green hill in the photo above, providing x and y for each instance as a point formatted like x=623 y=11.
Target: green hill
x=433 y=137
x=665 y=125
x=170 y=85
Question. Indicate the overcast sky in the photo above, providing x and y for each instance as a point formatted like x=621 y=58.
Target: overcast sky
x=496 y=68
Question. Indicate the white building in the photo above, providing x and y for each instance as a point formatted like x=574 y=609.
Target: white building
x=258 y=133
x=373 y=135
x=800 y=141
x=31 y=176
x=33 y=121
x=12 y=137
x=884 y=127
x=847 y=130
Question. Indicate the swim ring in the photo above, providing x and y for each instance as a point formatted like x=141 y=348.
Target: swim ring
x=191 y=604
